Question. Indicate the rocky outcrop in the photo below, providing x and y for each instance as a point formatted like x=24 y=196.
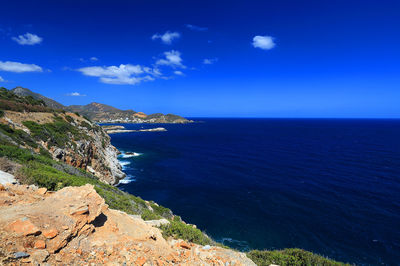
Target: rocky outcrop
x=74 y=226
x=91 y=151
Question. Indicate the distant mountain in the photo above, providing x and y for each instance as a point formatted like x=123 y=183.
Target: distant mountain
x=26 y=92
x=107 y=114
x=103 y=113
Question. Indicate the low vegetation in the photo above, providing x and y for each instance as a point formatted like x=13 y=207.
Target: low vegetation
x=58 y=133
x=13 y=102
x=290 y=256
x=178 y=229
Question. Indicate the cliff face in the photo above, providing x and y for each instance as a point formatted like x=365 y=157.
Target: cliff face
x=73 y=226
x=71 y=139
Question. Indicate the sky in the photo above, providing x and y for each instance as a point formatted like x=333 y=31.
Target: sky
x=237 y=58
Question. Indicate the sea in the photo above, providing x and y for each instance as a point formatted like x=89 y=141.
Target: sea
x=330 y=186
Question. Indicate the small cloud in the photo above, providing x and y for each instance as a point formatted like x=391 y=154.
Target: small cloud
x=28 y=39
x=210 y=61
x=263 y=42
x=196 y=28
x=1 y=79
x=172 y=59
x=19 y=67
x=122 y=74
x=167 y=37
x=179 y=73
x=93 y=58
x=75 y=94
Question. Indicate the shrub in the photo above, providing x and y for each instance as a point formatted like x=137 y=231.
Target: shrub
x=178 y=229
x=18 y=135
x=58 y=133
x=292 y=256
x=69 y=119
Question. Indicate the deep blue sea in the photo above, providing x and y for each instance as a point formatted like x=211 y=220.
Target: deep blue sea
x=328 y=186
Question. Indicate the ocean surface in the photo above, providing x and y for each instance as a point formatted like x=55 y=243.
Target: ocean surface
x=328 y=186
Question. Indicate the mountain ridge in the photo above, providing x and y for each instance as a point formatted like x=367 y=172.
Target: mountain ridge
x=103 y=113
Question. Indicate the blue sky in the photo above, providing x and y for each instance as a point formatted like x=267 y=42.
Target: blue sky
x=208 y=58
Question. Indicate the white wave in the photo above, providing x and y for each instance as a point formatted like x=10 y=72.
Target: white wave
x=130 y=155
x=124 y=164
x=128 y=179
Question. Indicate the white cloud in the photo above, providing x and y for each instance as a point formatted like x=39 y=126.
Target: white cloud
x=196 y=28
x=167 y=37
x=210 y=61
x=172 y=59
x=122 y=74
x=93 y=58
x=75 y=94
x=19 y=67
x=263 y=42
x=28 y=39
x=1 y=79
x=179 y=73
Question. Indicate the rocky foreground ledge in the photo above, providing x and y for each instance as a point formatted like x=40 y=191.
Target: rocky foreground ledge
x=74 y=226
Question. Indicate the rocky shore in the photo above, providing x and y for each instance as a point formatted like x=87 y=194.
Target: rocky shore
x=121 y=129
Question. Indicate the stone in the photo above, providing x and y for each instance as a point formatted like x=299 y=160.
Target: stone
x=40 y=244
x=41 y=191
x=2 y=188
x=40 y=256
x=24 y=227
x=184 y=245
x=50 y=233
x=80 y=210
x=157 y=223
x=21 y=254
x=140 y=261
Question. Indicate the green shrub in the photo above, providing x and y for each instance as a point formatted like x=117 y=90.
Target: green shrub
x=292 y=256
x=86 y=124
x=178 y=229
x=23 y=156
x=45 y=153
x=18 y=135
x=69 y=119
x=58 y=133
x=149 y=215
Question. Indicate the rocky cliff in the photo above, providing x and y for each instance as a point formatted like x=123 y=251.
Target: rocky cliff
x=68 y=138
x=74 y=226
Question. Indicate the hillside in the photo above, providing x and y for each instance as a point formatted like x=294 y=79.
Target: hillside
x=103 y=113
x=63 y=136
x=107 y=114
x=24 y=92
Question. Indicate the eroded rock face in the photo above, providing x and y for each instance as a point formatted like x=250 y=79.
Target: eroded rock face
x=75 y=227
x=95 y=153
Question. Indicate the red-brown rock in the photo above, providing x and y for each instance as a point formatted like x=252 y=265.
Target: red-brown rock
x=50 y=233
x=40 y=244
x=24 y=227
